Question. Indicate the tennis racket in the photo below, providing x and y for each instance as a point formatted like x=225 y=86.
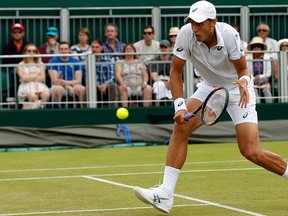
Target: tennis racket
x=212 y=109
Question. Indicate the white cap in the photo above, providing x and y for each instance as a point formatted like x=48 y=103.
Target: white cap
x=201 y=11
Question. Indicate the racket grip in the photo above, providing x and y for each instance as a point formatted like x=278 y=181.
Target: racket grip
x=187 y=116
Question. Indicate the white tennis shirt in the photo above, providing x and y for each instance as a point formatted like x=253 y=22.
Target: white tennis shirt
x=213 y=65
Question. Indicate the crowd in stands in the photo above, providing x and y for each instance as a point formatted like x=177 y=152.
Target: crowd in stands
x=123 y=76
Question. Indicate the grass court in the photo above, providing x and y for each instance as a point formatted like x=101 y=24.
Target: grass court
x=216 y=180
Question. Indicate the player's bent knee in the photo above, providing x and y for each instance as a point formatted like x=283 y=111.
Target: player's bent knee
x=252 y=155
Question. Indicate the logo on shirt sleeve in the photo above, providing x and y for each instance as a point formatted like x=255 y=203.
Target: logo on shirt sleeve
x=179 y=49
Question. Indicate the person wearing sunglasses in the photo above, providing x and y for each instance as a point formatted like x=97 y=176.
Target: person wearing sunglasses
x=263 y=31
x=148 y=44
x=32 y=86
x=14 y=47
x=172 y=37
x=283 y=46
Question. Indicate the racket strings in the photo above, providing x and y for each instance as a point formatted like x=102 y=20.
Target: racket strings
x=214 y=107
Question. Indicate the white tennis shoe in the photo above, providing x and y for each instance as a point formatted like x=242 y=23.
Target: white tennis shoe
x=157 y=197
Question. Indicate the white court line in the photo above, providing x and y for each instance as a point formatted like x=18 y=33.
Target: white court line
x=127 y=174
x=117 y=166
x=181 y=196
x=91 y=210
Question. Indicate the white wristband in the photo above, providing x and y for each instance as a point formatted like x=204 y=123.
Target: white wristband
x=179 y=104
x=246 y=77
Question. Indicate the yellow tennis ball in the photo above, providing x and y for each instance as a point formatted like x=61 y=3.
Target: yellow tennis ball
x=122 y=113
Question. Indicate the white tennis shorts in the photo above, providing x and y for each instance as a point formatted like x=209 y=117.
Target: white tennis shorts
x=237 y=114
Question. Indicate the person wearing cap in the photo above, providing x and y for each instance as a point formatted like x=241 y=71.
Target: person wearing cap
x=148 y=44
x=160 y=73
x=216 y=51
x=14 y=47
x=51 y=46
x=259 y=63
x=172 y=36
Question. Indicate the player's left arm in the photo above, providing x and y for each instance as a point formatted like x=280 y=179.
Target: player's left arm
x=244 y=78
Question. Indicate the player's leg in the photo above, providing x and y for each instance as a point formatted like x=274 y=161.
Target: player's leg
x=161 y=197
x=249 y=146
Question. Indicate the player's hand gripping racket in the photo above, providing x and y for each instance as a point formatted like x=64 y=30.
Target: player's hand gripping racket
x=212 y=108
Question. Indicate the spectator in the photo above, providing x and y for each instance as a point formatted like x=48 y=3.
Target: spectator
x=107 y=89
x=14 y=47
x=132 y=77
x=244 y=43
x=112 y=44
x=32 y=77
x=160 y=74
x=172 y=37
x=82 y=46
x=66 y=78
x=260 y=65
x=263 y=32
x=148 y=44
x=51 y=46
x=282 y=45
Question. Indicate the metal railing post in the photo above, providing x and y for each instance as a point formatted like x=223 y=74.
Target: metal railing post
x=189 y=79
x=91 y=81
x=156 y=22
x=245 y=23
x=64 y=25
x=282 y=78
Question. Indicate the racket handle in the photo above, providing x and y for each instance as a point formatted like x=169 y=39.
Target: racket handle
x=187 y=116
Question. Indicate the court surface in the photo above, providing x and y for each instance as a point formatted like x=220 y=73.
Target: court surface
x=216 y=180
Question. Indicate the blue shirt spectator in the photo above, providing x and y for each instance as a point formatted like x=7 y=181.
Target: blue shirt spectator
x=66 y=72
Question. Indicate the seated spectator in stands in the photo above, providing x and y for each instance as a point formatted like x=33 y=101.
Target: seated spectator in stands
x=132 y=77
x=263 y=32
x=283 y=46
x=112 y=43
x=259 y=63
x=66 y=76
x=32 y=86
x=14 y=47
x=244 y=43
x=51 y=46
x=107 y=89
x=160 y=74
x=172 y=37
x=148 y=44
x=82 y=48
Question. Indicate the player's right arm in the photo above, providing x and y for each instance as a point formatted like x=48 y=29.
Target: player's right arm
x=176 y=84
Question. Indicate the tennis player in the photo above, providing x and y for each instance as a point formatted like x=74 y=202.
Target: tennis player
x=215 y=50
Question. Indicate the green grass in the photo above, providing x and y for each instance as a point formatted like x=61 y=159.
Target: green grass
x=216 y=180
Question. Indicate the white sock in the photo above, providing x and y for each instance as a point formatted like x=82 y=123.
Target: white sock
x=170 y=179
x=285 y=175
